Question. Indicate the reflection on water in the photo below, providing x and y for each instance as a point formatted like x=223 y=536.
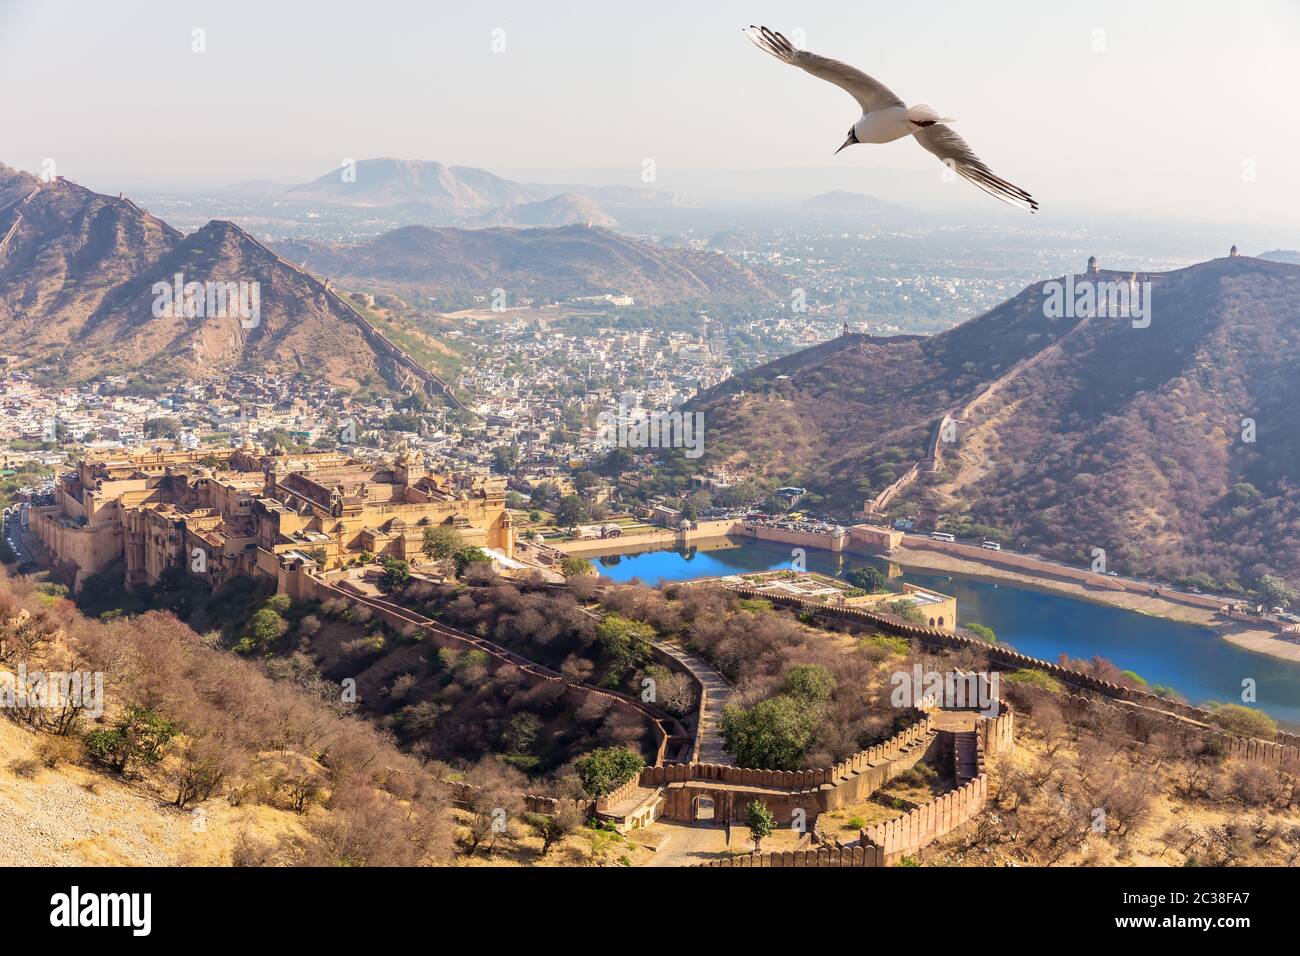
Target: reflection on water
x=1193 y=660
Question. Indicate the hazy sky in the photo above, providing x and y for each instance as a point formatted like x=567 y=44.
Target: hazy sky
x=1164 y=108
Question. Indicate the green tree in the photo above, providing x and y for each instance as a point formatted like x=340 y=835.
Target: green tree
x=138 y=736
x=467 y=556
x=521 y=733
x=604 y=770
x=395 y=574
x=161 y=428
x=626 y=641
x=264 y=629
x=571 y=511
x=761 y=822
x=441 y=541
x=774 y=734
x=983 y=632
x=811 y=684
x=1275 y=592
x=505 y=458
x=868 y=579
x=554 y=827
x=576 y=567
x=904 y=609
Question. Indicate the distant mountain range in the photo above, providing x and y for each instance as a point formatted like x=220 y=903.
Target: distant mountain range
x=80 y=281
x=559 y=263
x=839 y=202
x=449 y=190
x=1073 y=433
x=563 y=210
x=1282 y=255
x=430 y=193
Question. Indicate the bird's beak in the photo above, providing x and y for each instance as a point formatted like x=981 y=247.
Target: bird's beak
x=848 y=142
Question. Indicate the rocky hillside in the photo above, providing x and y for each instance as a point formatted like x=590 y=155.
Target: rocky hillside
x=570 y=261
x=1074 y=433
x=86 y=286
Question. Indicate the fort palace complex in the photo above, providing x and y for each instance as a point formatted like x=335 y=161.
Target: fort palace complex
x=224 y=512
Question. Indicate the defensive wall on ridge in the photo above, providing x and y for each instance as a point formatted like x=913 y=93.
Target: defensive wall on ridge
x=300 y=583
x=886 y=843
x=1247 y=749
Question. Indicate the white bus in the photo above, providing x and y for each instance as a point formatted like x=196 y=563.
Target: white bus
x=942 y=536
x=991 y=546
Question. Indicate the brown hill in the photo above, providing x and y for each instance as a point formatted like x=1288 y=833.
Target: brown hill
x=81 y=275
x=565 y=209
x=439 y=189
x=569 y=261
x=1078 y=432
x=63 y=248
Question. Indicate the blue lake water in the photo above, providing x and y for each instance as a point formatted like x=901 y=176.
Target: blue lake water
x=1193 y=660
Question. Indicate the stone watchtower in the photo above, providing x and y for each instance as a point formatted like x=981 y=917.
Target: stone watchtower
x=1093 y=268
x=1232 y=253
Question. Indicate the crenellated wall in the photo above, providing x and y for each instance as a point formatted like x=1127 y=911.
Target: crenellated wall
x=300 y=583
x=896 y=838
x=811 y=791
x=1143 y=723
x=1011 y=660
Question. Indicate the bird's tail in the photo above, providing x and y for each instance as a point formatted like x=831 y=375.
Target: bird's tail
x=923 y=114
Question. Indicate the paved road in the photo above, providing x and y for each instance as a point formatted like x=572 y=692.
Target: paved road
x=13 y=535
x=718 y=693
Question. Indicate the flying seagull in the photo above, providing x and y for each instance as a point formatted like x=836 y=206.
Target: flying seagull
x=886 y=118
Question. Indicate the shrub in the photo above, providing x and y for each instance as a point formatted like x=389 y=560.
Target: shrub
x=25 y=767
x=54 y=751
x=1245 y=722
x=1034 y=678
x=605 y=770
x=139 y=736
x=395 y=575
x=576 y=567
x=887 y=642
x=760 y=820
x=469 y=556
x=264 y=629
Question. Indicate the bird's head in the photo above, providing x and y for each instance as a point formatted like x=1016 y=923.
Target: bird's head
x=853 y=138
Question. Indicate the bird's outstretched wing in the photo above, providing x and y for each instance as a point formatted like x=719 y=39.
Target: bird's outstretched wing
x=870 y=94
x=952 y=149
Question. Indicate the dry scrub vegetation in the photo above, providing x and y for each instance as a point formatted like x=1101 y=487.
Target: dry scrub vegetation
x=1082 y=792
x=200 y=757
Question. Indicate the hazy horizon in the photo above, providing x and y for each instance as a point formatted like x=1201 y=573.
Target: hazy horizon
x=1173 y=111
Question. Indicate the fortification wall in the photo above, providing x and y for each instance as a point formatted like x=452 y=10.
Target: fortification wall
x=1005 y=657
x=299 y=583
x=822 y=856
x=927 y=823
x=1142 y=724
x=811 y=791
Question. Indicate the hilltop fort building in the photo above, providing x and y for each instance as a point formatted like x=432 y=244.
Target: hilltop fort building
x=225 y=512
